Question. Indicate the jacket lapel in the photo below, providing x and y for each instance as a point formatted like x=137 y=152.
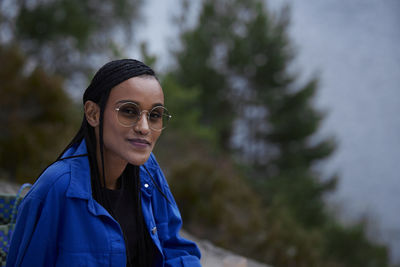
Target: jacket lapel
x=80 y=186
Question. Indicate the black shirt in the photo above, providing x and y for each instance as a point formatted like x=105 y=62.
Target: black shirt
x=124 y=210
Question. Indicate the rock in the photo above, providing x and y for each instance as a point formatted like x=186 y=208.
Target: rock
x=213 y=256
x=8 y=187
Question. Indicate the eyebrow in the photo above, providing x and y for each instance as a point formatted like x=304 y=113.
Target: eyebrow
x=137 y=103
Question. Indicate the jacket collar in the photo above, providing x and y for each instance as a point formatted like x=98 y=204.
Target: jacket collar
x=79 y=186
x=80 y=183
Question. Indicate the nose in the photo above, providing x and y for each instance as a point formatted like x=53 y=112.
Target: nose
x=142 y=126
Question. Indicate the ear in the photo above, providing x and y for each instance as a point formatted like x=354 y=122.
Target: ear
x=92 y=113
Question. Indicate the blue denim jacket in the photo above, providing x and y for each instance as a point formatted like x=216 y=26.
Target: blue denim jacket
x=60 y=224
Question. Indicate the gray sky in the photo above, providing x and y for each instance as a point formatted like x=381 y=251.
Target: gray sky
x=353 y=47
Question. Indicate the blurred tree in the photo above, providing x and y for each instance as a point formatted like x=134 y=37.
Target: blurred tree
x=236 y=58
x=226 y=209
x=68 y=36
x=36 y=115
x=350 y=245
x=185 y=135
x=218 y=204
x=196 y=67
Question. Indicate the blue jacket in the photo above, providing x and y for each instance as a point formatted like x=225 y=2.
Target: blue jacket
x=60 y=224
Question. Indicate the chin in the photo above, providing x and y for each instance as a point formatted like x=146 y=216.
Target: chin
x=140 y=159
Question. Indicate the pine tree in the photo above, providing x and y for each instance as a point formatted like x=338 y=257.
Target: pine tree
x=283 y=129
x=238 y=56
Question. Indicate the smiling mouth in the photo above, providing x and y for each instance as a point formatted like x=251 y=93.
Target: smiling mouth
x=139 y=142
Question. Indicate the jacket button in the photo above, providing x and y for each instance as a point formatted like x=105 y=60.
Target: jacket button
x=146 y=185
x=154 y=230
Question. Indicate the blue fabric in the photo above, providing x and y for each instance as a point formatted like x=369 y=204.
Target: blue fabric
x=60 y=224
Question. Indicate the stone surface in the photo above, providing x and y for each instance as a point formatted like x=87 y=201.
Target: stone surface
x=213 y=256
x=8 y=187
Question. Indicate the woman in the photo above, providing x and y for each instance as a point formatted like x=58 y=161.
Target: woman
x=105 y=201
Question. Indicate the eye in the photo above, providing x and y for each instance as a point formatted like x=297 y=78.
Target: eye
x=156 y=113
x=129 y=110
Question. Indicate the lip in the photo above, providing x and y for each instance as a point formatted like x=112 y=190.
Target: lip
x=139 y=143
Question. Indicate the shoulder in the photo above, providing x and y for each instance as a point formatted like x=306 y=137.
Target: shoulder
x=153 y=168
x=56 y=178
x=152 y=162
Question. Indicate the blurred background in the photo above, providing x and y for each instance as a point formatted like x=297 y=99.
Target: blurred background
x=284 y=142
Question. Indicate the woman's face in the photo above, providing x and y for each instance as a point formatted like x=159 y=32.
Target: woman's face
x=131 y=144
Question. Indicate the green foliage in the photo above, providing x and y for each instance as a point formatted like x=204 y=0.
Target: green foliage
x=67 y=36
x=349 y=245
x=57 y=19
x=37 y=117
x=182 y=102
x=241 y=57
x=148 y=58
x=185 y=134
x=302 y=196
x=226 y=210
x=196 y=69
x=218 y=204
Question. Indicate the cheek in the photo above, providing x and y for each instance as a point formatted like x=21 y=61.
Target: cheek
x=155 y=136
x=112 y=131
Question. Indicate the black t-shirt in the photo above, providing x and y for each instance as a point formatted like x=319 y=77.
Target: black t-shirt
x=123 y=205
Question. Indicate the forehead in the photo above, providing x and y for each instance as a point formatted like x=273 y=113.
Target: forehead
x=145 y=91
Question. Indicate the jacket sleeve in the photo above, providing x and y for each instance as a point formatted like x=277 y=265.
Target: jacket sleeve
x=177 y=250
x=33 y=241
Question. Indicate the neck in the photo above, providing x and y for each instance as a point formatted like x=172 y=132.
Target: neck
x=113 y=168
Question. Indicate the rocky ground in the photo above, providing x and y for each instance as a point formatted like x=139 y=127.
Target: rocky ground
x=212 y=256
x=8 y=188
